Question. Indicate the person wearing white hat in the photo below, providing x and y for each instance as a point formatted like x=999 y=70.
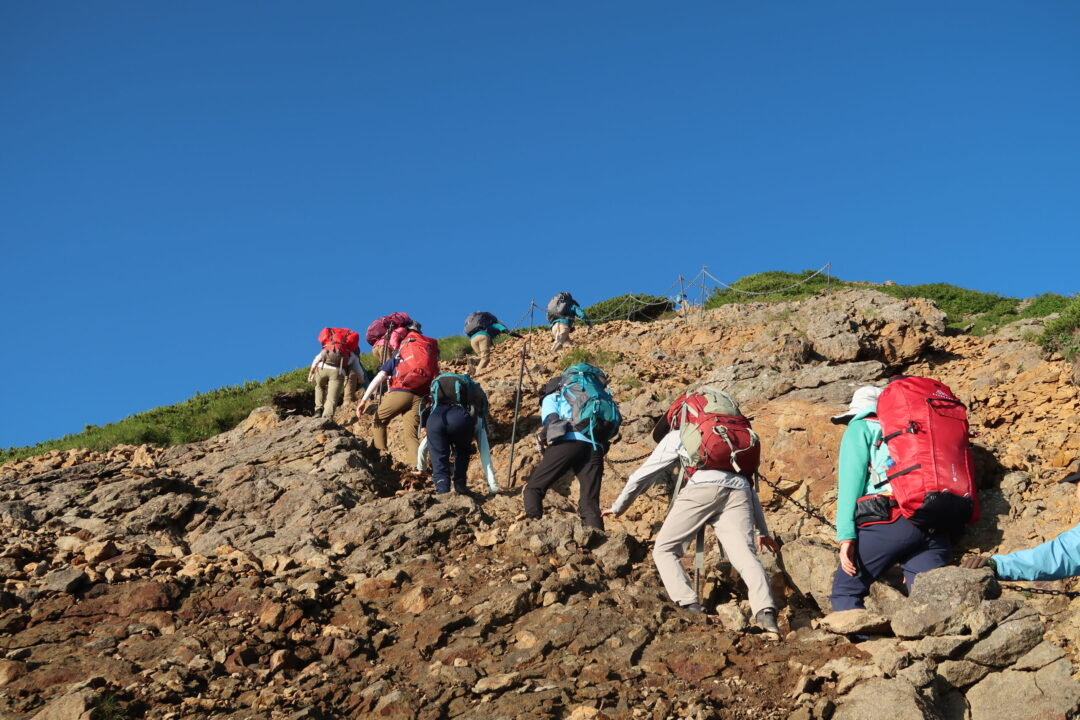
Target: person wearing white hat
x=1053 y=560
x=873 y=535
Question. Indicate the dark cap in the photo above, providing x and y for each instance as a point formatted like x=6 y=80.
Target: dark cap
x=1075 y=477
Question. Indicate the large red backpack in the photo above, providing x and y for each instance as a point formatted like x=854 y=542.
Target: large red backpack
x=338 y=344
x=419 y=364
x=925 y=427
x=714 y=433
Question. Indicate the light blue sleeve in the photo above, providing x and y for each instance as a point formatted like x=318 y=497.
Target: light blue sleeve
x=581 y=314
x=549 y=406
x=1053 y=560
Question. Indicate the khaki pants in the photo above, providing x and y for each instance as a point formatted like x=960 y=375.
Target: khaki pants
x=731 y=513
x=329 y=386
x=399 y=402
x=560 y=335
x=382 y=354
x=481 y=345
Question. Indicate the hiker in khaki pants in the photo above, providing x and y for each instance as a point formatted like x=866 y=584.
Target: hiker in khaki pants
x=394 y=403
x=330 y=381
x=725 y=500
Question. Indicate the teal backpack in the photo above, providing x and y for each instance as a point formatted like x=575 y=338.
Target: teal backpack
x=459 y=389
x=589 y=406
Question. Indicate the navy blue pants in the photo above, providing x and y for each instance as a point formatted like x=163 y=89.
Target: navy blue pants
x=450 y=429
x=877 y=547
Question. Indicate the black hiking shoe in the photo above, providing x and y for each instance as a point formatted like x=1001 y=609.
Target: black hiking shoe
x=695 y=608
x=766 y=620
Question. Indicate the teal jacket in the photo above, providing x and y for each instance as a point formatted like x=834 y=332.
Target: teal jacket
x=864 y=461
x=570 y=321
x=1053 y=560
x=494 y=330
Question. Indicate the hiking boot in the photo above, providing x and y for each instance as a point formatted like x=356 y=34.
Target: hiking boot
x=766 y=619
x=695 y=608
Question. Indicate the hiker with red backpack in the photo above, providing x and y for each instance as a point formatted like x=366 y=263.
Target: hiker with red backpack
x=482 y=328
x=410 y=372
x=386 y=333
x=336 y=363
x=580 y=421
x=906 y=485
x=717 y=452
x=561 y=312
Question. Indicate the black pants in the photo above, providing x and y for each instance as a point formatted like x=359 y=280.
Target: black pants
x=450 y=430
x=586 y=462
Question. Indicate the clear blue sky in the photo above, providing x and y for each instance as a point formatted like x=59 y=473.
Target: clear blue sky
x=190 y=191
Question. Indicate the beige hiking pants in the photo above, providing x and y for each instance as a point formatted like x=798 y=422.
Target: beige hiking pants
x=329 y=387
x=560 y=335
x=481 y=345
x=399 y=402
x=731 y=514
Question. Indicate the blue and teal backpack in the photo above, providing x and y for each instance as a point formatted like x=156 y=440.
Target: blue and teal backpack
x=591 y=409
x=459 y=389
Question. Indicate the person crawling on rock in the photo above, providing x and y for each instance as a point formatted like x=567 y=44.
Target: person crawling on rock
x=706 y=435
x=1055 y=559
x=410 y=371
x=906 y=486
x=580 y=421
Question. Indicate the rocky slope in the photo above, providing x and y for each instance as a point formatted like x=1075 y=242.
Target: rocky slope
x=284 y=569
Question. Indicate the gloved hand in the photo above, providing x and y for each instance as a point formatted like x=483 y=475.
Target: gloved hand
x=974 y=562
x=516 y=335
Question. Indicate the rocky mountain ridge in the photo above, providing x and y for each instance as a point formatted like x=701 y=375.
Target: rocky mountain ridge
x=284 y=569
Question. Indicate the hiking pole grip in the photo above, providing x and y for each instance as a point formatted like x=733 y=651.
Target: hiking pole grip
x=513 y=430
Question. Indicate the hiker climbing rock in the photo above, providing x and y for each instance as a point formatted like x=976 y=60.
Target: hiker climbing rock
x=561 y=312
x=385 y=334
x=905 y=484
x=482 y=328
x=1053 y=560
x=410 y=371
x=335 y=363
x=705 y=434
x=457 y=414
x=581 y=420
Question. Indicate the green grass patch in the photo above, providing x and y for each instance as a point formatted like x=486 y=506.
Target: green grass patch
x=603 y=359
x=1062 y=334
x=774 y=286
x=642 y=308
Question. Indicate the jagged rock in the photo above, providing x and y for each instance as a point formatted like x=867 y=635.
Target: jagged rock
x=810 y=567
x=732 y=617
x=1012 y=639
x=76 y=706
x=65 y=581
x=95 y=552
x=1021 y=695
x=888 y=655
x=898 y=699
x=10 y=671
x=942 y=600
x=962 y=673
x=618 y=552
x=851 y=622
x=1039 y=657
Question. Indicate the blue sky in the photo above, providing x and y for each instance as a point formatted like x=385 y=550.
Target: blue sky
x=190 y=191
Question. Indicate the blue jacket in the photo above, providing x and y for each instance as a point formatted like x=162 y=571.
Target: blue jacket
x=1053 y=560
x=555 y=404
x=570 y=321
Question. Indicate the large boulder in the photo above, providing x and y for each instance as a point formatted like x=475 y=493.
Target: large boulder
x=942 y=601
x=895 y=698
x=1020 y=695
x=809 y=567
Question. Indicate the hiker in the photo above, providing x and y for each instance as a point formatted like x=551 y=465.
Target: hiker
x=482 y=328
x=337 y=362
x=891 y=506
x=457 y=413
x=705 y=434
x=580 y=421
x=561 y=312
x=1055 y=559
x=386 y=333
x=410 y=371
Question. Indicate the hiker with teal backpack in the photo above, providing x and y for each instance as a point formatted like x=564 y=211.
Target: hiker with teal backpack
x=707 y=437
x=457 y=414
x=561 y=312
x=580 y=421
x=482 y=328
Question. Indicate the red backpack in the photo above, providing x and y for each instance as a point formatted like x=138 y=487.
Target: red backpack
x=419 y=364
x=926 y=429
x=714 y=433
x=381 y=327
x=338 y=344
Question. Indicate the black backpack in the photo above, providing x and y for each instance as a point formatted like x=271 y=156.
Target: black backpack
x=478 y=321
x=561 y=306
x=459 y=389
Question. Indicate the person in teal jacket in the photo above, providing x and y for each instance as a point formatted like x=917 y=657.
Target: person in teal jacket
x=873 y=535
x=562 y=327
x=1053 y=560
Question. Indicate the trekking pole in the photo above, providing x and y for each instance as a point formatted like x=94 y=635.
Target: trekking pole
x=699 y=562
x=517 y=409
